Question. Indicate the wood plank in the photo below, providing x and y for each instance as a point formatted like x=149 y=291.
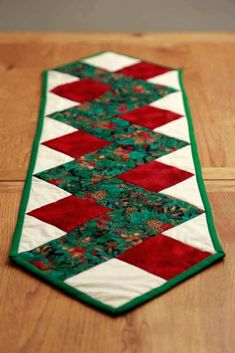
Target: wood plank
x=218 y=173
x=198 y=315
x=121 y=37
x=13 y=174
x=220 y=185
x=9 y=186
x=209 y=85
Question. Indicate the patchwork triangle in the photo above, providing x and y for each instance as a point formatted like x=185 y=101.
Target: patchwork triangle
x=45 y=232
x=181 y=159
x=110 y=61
x=169 y=78
x=177 y=129
x=173 y=102
x=194 y=233
x=53 y=128
x=56 y=78
x=117 y=282
x=49 y=193
x=48 y=158
x=186 y=190
x=56 y=103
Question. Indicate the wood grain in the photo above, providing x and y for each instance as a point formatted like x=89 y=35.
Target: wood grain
x=196 y=316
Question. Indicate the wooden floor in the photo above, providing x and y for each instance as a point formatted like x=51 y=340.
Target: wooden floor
x=198 y=316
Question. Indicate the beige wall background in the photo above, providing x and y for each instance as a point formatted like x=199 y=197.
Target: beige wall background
x=118 y=15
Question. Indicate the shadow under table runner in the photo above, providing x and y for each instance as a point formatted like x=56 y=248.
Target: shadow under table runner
x=114 y=210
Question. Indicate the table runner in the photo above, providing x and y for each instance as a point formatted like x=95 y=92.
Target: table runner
x=114 y=209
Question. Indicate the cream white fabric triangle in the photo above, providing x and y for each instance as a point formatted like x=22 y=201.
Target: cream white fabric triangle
x=55 y=103
x=194 y=233
x=173 y=102
x=36 y=233
x=43 y=193
x=169 y=79
x=111 y=61
x=48 y=158
x=56 y=78
x=187 y=191
x=115 y=282
x=177 y=128
x=181 y=158
x=53 y=128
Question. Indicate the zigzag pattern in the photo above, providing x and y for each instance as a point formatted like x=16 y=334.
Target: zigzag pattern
x=114 y=196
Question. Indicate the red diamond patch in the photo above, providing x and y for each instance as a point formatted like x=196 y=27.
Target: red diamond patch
x=155 y=176
x=150 y=117
x=69 y=212
x=82 y=90
x=165 y=257
x=76 y=144
x=143 y=70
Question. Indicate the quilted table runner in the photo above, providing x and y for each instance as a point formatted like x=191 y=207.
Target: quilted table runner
x=114 y=210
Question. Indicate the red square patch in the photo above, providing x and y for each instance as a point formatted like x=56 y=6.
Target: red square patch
x=69 y=212
x=163 y=256
x=143 y=70
x=150 y=117
x=155 y=176
x=76 y=144
x=82 y=90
